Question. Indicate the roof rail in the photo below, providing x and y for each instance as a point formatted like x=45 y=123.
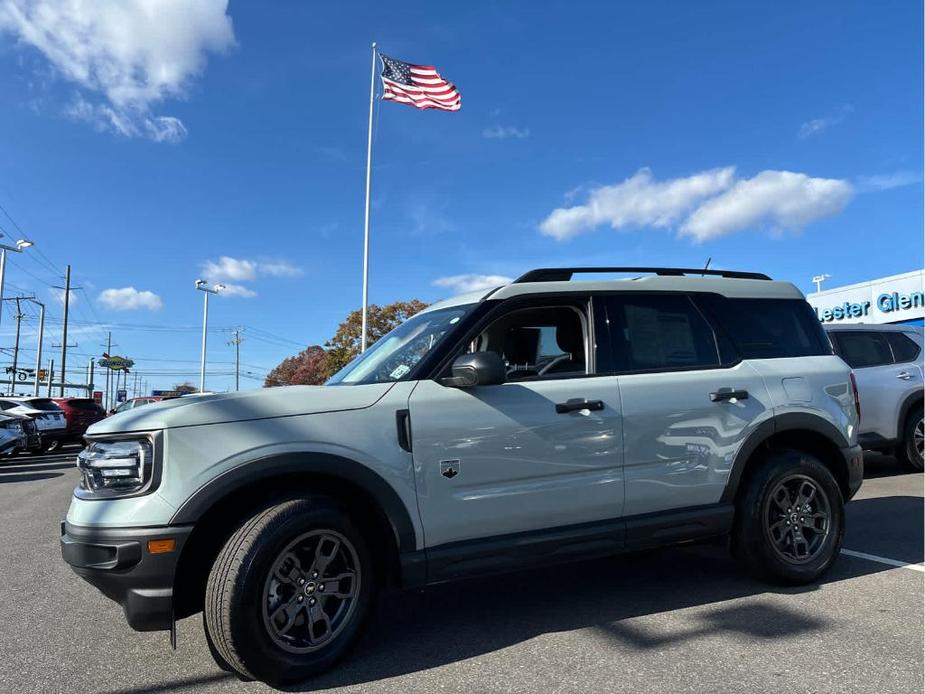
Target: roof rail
x=565 y=274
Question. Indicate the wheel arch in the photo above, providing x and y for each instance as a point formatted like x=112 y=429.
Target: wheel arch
x=216 y=509
x=912 y=401
x=799 y=431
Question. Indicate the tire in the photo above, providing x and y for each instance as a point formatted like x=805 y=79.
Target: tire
x=270 y=576
x=774 y=538
x=909 y=452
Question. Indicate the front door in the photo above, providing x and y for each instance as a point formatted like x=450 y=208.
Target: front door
x=500 y=459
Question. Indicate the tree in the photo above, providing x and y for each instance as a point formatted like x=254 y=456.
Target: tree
x=309 y=368
x=345 y=344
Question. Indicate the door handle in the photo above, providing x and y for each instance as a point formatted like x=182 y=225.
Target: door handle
x=904 y=375
x=728 y=394
x=577 y=405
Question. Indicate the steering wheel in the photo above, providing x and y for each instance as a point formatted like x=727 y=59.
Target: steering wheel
x=558 y=360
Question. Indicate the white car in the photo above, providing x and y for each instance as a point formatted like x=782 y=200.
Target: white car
x=48 y=417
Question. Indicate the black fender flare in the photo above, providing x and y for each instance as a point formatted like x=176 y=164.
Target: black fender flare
x=330 y=466
x=789 y=421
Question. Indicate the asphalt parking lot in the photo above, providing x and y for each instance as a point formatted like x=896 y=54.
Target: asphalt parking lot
x=679 y=620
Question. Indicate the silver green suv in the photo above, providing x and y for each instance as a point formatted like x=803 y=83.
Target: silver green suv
x=545 y=421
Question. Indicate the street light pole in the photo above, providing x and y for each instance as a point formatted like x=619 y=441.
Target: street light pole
x=204 y=287
x=38 y=349
x=21 y=245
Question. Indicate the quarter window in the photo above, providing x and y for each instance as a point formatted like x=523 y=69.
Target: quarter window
x=658 y=333
x=862 y=349
x=904 y=348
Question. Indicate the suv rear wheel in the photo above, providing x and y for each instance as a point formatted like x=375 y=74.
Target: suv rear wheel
x=789 y=519
x=289 y=591
x=911 y=448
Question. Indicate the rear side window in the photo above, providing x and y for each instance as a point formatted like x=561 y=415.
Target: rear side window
x=862 y=349
x=43 y=404
x=658 y=333
x=904 y=347
x=83 y=404
x=767 y=328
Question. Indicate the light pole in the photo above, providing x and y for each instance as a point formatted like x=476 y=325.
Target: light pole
x=21 y=245
x=819 y=279
x=204 y=287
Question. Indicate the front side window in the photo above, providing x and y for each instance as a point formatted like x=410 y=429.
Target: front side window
x=394 y=355
x=862 y=349
x=659 y=333
x=540 y=342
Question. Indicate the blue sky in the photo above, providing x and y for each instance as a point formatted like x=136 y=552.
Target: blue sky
x=143 y=149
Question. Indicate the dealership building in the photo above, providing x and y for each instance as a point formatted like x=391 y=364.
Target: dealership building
x=894 y=299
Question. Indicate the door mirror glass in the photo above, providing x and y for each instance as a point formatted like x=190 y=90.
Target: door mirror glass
x=476 y=369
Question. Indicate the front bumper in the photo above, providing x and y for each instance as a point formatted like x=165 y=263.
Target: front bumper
x=118 y=563
x=854 y=459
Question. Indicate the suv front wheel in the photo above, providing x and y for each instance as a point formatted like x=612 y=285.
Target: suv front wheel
x=289 y=591
x=911 y=449
x=789 y=519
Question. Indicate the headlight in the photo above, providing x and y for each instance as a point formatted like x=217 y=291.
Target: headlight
x=116 y=468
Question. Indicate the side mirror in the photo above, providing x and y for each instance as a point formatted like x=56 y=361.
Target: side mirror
x=476 y=369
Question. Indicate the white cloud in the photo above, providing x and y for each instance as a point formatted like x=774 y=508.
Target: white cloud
x=279 y=268
x=899 y=179
x=228 y=268
x=705 y=205
x=818 y=125
x=638 y=201
x=470 y=283
x=58 y=295
x=240 y=290
x=128 y=55
x=503 y=132
x=783 y=200
x=129 y=299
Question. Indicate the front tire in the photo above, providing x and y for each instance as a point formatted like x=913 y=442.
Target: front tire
x=911 y=449
x=790 y=519
x=289 y=591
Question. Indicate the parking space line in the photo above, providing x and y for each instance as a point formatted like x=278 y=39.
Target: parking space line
x=883 y=560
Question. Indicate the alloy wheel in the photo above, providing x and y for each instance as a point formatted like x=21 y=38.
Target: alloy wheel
x=311 y=591
x=918 y=438
x=798 y=518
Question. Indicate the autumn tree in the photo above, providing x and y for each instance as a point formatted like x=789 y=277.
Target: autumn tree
x=308 y=367
x=345 y=344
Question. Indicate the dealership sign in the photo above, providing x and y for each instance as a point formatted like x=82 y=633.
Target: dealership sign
x=115 y=363
x=893 y=299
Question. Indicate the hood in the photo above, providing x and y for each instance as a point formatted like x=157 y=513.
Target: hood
x=286 y=401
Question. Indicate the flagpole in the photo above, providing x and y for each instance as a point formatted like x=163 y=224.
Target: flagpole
x=369 y=172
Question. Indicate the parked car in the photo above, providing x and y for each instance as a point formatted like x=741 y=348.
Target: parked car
x=79 y=413
x=540 y=422
x=13 y=436
x=888 y=363
x=49 y=420
x=132 y=403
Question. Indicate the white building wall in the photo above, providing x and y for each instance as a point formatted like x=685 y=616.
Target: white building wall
x=887 y=300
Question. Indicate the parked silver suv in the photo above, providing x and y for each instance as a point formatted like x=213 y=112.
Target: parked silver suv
x=887 y=361
x=545 y=421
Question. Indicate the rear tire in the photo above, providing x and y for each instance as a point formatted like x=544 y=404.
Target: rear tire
x=909 y=452
x=789 y=519
x=289 y=591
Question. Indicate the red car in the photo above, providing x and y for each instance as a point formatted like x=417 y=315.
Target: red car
x=79 y=413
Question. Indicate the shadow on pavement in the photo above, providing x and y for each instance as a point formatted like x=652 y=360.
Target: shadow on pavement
x=453 y=622
x=877 y=465
x=177 y=685
x=888 y=526
x=27 y=477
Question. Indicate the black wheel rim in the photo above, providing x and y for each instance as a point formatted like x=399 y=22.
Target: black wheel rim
x=798 y=519
x=311 y=591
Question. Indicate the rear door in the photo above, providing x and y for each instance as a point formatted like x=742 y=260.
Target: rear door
x=687 y=406
x=883 y=384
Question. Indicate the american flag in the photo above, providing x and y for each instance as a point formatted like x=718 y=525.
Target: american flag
x=420 y=86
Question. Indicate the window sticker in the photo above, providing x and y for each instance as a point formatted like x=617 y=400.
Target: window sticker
x=400 y=371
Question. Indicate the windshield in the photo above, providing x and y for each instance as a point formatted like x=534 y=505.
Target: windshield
x=395 y=354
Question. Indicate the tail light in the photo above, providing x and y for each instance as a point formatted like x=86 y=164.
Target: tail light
x=857 y=398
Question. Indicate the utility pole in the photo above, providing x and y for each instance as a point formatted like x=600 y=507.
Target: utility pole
x=15 y=349
x=38 y=349
x=67 y=306
x=108 y=370
x=236 y=341
x=90 y=378
x=51 y=374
